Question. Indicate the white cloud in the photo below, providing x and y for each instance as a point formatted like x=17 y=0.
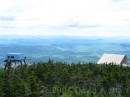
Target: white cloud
x=66 y=17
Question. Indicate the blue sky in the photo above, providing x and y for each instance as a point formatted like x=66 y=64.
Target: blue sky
x=65 y=17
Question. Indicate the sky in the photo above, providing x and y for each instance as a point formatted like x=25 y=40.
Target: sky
x=65 y=17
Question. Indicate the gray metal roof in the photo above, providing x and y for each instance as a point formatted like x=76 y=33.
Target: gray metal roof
x=111 y=58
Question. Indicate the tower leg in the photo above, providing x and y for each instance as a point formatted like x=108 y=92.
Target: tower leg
x=8 y=64
x=21 y=62
x=5 y=66
x=15 y=64
x=24 y=62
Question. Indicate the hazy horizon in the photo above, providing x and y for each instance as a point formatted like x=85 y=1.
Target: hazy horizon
x=64 y=49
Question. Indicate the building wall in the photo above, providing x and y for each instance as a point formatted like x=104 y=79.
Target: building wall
x=125 y=60
x=13 y=56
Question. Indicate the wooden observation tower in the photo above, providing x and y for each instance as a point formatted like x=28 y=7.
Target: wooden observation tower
x=13 y=59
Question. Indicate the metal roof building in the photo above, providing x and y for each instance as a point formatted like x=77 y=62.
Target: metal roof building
x=113 y=58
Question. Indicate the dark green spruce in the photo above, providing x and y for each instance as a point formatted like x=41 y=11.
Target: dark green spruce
x=58 y=79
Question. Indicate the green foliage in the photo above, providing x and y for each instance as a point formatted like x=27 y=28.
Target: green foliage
x=58 y=79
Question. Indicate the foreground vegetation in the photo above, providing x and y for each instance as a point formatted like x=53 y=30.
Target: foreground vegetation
x=58 y=79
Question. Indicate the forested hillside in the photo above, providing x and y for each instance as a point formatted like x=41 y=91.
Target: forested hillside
x=64 y=49
x=58 y=79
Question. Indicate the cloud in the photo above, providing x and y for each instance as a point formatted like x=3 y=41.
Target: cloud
x=65 y=17
x=7 y=18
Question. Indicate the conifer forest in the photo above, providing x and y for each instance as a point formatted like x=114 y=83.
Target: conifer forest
x=59 y=79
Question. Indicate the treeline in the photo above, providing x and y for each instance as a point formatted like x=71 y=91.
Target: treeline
x=58 y=79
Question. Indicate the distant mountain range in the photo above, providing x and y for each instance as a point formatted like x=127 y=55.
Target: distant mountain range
x=63 y=48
